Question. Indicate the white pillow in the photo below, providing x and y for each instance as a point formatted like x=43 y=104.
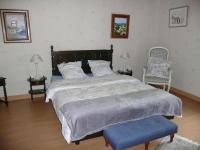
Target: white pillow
x=158 y=67
x=77 y=63
x=71 y=70
x=98 y=62
x=100 y=67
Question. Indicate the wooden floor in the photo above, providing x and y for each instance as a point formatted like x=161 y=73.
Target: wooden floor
x=26 y=125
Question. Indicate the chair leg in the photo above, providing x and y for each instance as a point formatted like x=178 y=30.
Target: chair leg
x=164 y=86
x=168 y=88
x=146 y=145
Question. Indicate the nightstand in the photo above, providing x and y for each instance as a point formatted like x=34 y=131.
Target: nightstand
x=3 y=83
x=127 y=72
x=37 y=82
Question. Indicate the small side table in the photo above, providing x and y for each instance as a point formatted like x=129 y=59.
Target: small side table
x=37 y=82
x=127 y=72
x=3 y=83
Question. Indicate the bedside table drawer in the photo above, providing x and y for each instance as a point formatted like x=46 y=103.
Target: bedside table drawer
x=37 y=82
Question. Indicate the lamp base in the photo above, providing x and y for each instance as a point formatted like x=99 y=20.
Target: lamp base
x=37 y=77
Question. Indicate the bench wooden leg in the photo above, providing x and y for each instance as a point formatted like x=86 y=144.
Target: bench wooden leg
x=106 y=142
x=77 y=142
x=171 y=138
x=146 y=145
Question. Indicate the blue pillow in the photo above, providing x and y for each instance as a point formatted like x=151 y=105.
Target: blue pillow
x=56 y=78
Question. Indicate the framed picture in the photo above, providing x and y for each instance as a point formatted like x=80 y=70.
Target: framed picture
x=120 y=26
x=178 y=17
x=15 y=26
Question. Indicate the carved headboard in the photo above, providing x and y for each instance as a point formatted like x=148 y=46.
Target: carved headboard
x=58 y=57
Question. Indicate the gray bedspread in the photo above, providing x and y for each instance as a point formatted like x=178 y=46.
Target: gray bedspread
x=93 y=115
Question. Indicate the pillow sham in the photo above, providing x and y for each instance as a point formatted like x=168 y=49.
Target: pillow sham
x=71 y=70
x=100 y=67
x=158 y=67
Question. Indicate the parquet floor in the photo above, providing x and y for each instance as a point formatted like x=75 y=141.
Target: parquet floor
x=26 y=125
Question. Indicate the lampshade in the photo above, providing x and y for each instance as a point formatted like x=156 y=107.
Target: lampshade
x=36 y=58
x=125 y=55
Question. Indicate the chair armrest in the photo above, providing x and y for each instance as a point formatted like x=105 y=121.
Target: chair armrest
x=144 y=69
x=170 y=70
x=170 y=73
x=144 y=73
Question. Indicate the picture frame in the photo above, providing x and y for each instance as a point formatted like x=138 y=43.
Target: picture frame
x=178 y=17
x=120 y=26
x=15 y=26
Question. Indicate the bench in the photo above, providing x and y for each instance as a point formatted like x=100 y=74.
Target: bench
x=131 y=133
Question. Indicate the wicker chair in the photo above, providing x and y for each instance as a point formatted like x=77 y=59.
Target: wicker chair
x=161 y=53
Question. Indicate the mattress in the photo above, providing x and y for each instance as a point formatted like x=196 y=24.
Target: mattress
x=112 y=99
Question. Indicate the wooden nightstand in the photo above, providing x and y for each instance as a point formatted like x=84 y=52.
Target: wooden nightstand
x=127 y=72
x=3 y=83
x=37 y=82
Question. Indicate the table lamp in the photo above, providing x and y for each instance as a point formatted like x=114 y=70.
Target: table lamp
x=125 y=56
x=36 y=59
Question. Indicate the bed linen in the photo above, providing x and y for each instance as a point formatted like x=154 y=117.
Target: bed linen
x=86 y=106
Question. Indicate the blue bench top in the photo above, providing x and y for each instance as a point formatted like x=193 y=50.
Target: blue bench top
x=132 y=133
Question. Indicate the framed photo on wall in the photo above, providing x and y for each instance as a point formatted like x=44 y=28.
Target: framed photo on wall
x=178 y=17
x=15 y=26
x=120 y=26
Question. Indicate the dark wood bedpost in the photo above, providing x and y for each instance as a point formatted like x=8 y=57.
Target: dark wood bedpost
x=111 y=48
x=52 y=63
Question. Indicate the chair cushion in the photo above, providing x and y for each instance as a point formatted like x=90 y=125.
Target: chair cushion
x=150 y=79
x=158 y=67
x=132 y=133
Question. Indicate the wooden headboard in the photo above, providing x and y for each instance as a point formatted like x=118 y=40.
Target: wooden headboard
x=58 y=57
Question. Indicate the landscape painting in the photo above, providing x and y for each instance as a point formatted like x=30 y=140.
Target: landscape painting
x=120 y=26
x=15 y=24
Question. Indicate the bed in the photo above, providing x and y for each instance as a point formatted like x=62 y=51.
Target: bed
x=86 y=106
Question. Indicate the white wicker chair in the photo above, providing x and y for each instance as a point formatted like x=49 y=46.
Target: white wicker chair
x=162 y=53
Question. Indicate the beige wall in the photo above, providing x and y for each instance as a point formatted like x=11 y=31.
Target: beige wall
x=76 y=24
x=184 y=45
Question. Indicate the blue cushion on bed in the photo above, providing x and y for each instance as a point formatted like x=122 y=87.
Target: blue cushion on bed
x=56 y=78
x=132 y=133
